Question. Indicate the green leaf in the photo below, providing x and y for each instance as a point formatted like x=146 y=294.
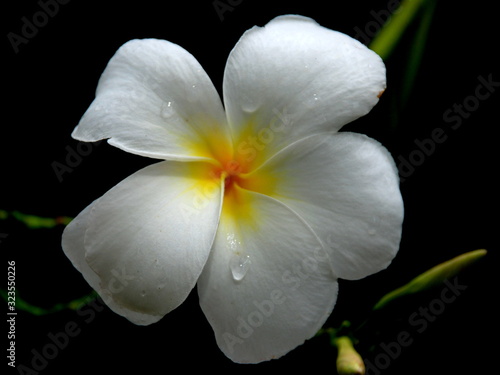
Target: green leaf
x=392 y=31
x=417 y=51
x=35 y=222
x=21 y=304
x=433 y=277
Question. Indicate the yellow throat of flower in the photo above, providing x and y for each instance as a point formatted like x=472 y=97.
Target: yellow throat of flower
x=238 y=171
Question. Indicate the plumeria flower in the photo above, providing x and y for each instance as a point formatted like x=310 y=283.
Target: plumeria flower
x=262 y=203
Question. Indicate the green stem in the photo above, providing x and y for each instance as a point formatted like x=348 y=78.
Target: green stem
x=35 y=222
x=22 y=305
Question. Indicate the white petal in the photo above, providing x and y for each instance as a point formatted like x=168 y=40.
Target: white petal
x=155 y=100
x=73 y=246
x=346 y=187
x=294 y=78
x=147 y=239
x=267 y=285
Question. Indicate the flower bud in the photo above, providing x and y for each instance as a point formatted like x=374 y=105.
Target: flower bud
x=432 y=277
x=349 y=362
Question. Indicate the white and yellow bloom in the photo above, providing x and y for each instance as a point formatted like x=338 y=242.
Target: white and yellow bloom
x=262 y=203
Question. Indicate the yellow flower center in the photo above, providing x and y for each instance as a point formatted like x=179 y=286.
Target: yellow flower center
x=238 y=180
x=236 y=170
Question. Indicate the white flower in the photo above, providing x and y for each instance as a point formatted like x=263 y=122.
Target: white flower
x=263 y=204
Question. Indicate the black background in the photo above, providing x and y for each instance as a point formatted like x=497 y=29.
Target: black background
x=450 y=199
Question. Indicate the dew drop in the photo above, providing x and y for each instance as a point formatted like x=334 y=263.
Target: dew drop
x=250 y=104
x=375 y=224
x=239 y=265
x=166 y=110
x=192 y=93
x=313 y=101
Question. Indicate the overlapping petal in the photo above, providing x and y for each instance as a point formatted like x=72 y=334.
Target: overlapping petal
x=346 y=187
x=268 y=284
x=294 y=78
x=155 y=100
x=74 y=248
x=303 y=204
x=144 y=243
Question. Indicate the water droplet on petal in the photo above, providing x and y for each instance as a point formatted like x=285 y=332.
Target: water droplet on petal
x=375 y=224
x=250 y=104
x=166 y=110
x=239 y=265
x=192 y=93
x=313 y=101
